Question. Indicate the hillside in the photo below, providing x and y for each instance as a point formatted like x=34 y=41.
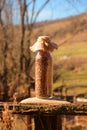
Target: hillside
x=62 y=29
x=70 y=60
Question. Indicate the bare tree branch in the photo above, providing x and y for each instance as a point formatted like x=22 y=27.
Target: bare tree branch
x=32 y=13
x=4 y=51
x=41 y=8
x=22 y=5
x=29 y=3
x=2 y=3
x=70 y=2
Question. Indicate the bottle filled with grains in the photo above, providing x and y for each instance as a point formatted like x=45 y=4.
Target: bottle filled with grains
x=43 y=66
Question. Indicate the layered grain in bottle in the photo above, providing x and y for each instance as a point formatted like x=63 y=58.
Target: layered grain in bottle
x=44 y=74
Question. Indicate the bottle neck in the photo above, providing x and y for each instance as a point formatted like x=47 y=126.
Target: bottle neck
x=43 y=54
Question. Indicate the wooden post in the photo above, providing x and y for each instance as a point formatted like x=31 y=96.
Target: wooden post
x=28 y=122
x=51 y=122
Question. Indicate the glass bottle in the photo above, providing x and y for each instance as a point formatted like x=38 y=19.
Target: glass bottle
x=43 y=74
x=43 y=66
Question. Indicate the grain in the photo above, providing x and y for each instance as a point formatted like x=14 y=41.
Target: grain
x=43 y=74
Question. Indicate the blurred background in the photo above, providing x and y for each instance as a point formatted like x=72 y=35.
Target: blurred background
x=21 y=22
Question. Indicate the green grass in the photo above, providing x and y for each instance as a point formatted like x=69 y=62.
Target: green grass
x=77 y=76
x=72 y=50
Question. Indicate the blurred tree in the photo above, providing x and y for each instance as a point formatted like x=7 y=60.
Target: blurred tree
x=4 y=52
x=15 y=40
x=27 y=22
